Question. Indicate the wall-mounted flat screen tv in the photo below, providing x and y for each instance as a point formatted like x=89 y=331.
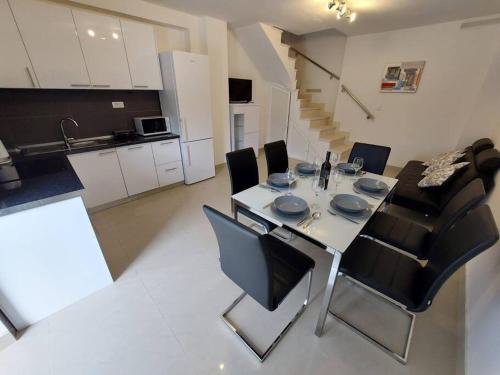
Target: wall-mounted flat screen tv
x=240 y=90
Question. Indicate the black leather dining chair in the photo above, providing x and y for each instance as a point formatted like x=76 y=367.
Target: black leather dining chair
x=375 y=157
x=416 y=239
x=266 y=268
x=244 y=174
x=276 y=157
x=404 y=281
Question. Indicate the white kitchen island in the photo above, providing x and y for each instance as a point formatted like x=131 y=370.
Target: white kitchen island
x=49 y=253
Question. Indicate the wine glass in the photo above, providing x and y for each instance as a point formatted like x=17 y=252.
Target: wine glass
x=337 y=178
x=334 y=159
x=318 y=185
x=357 y=164
x=290 y=176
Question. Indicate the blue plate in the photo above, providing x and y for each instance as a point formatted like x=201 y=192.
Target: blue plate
x=278 y=180
x=371 y=184
x=346 y=168
x=306 y=168
x=349 y=203
x=290 y=205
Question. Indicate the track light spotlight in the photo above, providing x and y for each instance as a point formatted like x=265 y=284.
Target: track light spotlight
x=343 y=11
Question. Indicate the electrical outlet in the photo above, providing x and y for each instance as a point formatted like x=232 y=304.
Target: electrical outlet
x=118 y=105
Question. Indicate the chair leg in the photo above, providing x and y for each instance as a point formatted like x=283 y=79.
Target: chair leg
x=263 y=355
x=400 y=357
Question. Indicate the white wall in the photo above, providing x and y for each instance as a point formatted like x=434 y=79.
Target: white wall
x=327 y=48
x=482 y=311
x=217 y=48
x=432 y=120
x=240 y=66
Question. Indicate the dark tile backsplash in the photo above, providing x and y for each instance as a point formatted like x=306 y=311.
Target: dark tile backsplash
x=33 y=116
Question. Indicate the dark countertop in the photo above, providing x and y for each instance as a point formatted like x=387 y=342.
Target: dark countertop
x=37 y=179
x=137 y=139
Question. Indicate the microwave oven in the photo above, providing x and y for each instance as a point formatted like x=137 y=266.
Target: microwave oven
x=153 y=125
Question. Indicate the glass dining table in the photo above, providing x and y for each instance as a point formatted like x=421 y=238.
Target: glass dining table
x=332 y=231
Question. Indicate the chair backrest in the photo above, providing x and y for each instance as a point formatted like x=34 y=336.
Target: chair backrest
x=465 y=200
x=276 y=157
x=243 y=258
x=375 y=157
x=243 y=169
x=470 y=236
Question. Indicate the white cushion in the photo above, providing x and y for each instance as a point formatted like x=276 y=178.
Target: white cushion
x=440 y=176
x=445 y=159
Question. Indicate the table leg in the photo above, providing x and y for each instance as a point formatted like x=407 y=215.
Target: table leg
x=327 y=298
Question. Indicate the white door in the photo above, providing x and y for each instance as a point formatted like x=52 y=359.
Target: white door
x=192 y=80
x=15 y=66
x=142 y=55
x=100 y=174
x=138 y=168
x=102 y=44
x=198 y=160
x=278 y=114
x=49 y=33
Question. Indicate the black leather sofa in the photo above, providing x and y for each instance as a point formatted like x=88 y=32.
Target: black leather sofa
x=484 y=162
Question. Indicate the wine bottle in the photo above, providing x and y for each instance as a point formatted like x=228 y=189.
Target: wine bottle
x=326 y=167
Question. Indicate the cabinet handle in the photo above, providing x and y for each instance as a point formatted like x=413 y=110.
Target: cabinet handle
x=101 y=85
x=189 y=155
x=166 y=143
x=107 y=152
x=141 y=86
x=135 y=148
x=80 y=85
x=170 y=169
x=31 y=76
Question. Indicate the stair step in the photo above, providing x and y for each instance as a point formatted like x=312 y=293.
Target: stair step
x=334 y=138
x=321 y=128
x=308 y=105
x=308 y=113
x=305 y=96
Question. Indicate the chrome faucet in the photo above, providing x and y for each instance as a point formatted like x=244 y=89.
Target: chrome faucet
x=66 y=139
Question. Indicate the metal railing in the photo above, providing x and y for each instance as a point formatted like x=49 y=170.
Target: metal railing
x=369 y=115
x=332 y=74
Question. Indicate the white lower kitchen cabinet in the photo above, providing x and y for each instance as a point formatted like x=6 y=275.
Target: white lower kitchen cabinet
x=100 y=174
x=170 y=173
x=138 y=168
x=166 y=151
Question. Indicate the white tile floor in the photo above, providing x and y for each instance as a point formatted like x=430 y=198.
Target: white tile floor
x=162 y=314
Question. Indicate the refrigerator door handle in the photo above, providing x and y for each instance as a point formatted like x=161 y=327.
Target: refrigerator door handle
x=185 y=129
x=189 y=154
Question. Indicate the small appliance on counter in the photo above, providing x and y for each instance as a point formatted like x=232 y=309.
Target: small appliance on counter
x=4 y=155
x=153 y=125
x=123 y=135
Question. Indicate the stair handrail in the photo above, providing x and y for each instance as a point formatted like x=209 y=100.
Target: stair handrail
x=369 y=115
x=332 y=74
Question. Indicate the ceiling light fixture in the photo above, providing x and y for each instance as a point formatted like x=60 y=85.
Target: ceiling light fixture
x=343 y=11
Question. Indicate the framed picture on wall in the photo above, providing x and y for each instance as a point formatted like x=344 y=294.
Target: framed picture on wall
x=402 y=77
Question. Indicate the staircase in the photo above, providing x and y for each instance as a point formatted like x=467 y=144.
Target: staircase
x=311 y=131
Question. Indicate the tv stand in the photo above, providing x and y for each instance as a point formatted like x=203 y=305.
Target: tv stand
x=245 y=126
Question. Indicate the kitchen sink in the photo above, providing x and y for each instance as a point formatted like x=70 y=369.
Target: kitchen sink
x=85 y=144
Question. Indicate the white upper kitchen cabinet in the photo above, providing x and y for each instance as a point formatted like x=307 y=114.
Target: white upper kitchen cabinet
x=49 y=34
x=102 y=44
x=15 y=66
x=140 y=45
x=100 y=174
x=138 y=168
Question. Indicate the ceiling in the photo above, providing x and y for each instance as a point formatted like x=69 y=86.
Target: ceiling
x=306 y=16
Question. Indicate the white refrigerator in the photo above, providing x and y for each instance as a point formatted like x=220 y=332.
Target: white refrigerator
x=186 y=101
